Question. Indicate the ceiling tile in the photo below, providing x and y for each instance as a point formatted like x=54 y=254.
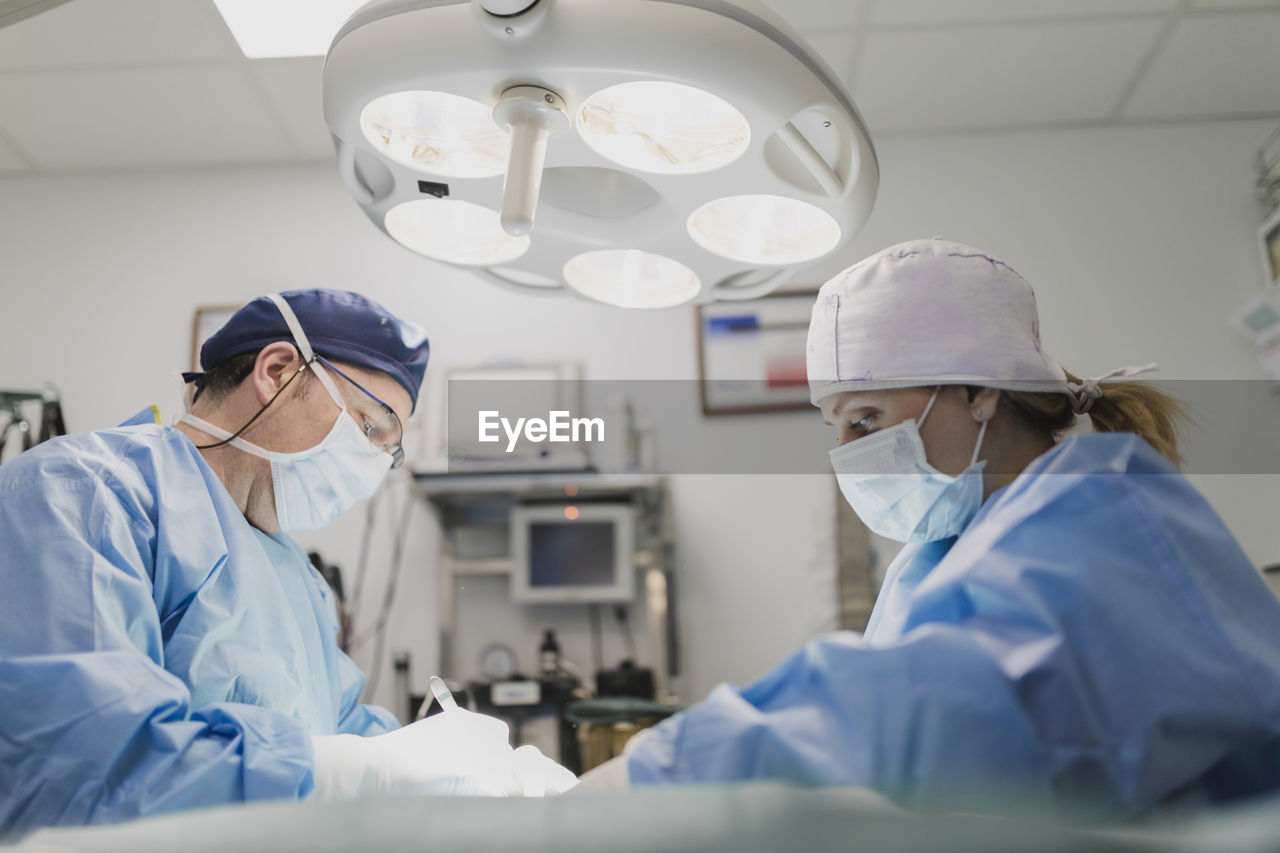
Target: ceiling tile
x=10 y=160
x=1213 y=65
x=926 y=12
x=128 y=118
x=1013 y=75
x=117 y=32
x=818 y=14
x=293 y=86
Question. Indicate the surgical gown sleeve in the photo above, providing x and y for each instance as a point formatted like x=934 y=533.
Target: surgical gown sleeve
x=93 y=729
x=353 y=717
x=1099 y=638
x=358 y=719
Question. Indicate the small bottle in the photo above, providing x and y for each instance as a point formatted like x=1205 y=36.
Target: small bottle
x=549 y=654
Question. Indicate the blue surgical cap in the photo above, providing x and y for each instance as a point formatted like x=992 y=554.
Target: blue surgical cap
x=341 y=326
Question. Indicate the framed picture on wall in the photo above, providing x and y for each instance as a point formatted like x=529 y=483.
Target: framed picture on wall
x=1269 y=245
x=751 y=355
x=208 y=319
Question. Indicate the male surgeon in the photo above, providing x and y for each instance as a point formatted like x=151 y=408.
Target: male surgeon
x=165 y=644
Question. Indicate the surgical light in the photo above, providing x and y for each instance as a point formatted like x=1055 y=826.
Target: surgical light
x=630 y=278
x=437 y=133
x=668 y=128
x=690 y=150
x=454 y=231
x=765 y=230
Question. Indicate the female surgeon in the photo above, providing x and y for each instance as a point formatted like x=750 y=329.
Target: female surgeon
x=1070 y=625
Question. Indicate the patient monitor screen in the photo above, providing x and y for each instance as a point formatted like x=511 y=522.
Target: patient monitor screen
x=576 y=554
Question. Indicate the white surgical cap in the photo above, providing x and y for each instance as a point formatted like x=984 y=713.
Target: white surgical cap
x=928 y=312
x=933 y=312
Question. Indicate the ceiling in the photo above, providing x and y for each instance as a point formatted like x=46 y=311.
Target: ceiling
x=125 y=85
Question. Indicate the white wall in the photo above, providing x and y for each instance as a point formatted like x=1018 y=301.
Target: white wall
x=1139 y=242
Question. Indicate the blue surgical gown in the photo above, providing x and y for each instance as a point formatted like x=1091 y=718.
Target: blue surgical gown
x=157 y=652
x=1095 y=638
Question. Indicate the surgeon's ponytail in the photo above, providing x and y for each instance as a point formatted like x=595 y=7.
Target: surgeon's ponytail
x=1134 y=407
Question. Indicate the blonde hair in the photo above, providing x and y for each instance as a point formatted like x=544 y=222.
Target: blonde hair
x=1134 y=407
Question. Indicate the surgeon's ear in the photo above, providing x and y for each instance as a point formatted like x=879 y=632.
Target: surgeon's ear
x=275 y=365
x=982 y=405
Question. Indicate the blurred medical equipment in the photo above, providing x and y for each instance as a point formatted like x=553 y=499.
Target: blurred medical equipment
x=16 y=407
x=623 y=706
x=332 y=575
x=377 y=631
x=686 y=150
x=572 y=553
x=627 y=680
x=1269 y=248
x=479 y=515
x=606 y=724
x=549 y=654
x=1260 y=319
x=1266 y=167
x=614 y=546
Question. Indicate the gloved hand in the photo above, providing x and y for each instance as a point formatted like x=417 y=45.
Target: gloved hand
x=540 y=776
x=456 y=753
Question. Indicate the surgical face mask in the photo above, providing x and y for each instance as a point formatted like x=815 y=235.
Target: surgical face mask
x=315 y=486
x=888 y=481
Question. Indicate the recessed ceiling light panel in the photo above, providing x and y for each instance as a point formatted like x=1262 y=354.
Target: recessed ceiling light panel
x=266 y=29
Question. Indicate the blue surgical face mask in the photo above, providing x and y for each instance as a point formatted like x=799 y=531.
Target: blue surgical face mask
x=887 y=479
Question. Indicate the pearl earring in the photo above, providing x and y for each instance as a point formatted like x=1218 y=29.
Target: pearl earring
x=979 y=413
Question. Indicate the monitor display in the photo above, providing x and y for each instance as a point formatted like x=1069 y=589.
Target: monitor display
x=565 y=553
x=571 y=554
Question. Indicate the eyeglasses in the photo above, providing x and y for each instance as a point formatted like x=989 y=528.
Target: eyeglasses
x=386 y=432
